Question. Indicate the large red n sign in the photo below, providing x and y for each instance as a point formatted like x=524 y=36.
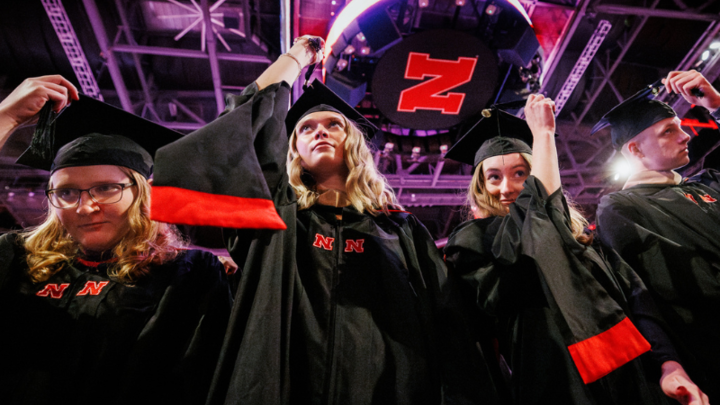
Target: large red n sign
x=448 y=74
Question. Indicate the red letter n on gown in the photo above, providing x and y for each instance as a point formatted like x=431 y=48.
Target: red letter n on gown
x=323 y=242
x=448 y=74
x=356 y=245
x=53 y=290
x=93 y=287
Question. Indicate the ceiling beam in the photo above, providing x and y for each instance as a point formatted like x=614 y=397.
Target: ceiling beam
x=104 y=43
x=212 y=56
x=136 y=59
x=188 y=53
x=653 y=12
x=625 y=48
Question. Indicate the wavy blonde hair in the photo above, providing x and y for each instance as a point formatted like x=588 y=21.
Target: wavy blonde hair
x=366 y=188
x=487 y=205
x=50 y=248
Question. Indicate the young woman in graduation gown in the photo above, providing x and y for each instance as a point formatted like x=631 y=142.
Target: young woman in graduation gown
x=563 y=308
x=99 y=304
x=340 y=298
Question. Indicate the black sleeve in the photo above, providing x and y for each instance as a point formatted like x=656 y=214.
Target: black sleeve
x=645 y=314
x=225 y=173
x=467 y=378
x=8 y=253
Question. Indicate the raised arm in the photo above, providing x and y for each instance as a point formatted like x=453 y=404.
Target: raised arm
x=694 y=88
x=23 y=104
x=540 y=116
x=289 y=65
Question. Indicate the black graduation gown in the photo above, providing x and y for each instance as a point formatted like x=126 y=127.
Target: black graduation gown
x=671 y=236
x=340 y=307
x=81 y=338
x=547 y=293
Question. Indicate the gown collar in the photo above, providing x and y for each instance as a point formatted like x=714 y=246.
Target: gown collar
x=668 y=177
x=333 y=198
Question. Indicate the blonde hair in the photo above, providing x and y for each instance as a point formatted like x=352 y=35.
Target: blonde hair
x=50 y=248
x=488 y=205
x=366 y=188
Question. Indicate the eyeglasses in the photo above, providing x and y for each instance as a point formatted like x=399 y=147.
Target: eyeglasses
x=65 y=198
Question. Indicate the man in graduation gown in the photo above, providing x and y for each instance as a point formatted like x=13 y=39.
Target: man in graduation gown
x=668 y=228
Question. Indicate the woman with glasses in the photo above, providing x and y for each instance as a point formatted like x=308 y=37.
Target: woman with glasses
x=98 y=303
x=341 y=296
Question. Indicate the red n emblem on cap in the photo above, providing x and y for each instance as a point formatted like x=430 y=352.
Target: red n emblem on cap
x=354 y=245
x=323 y=242
x=53 y=290
x=448 y=74
x=93 y=287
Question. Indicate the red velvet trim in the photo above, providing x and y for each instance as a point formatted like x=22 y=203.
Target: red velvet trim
x=181 y=206
x=89 y=263
x=599 y=355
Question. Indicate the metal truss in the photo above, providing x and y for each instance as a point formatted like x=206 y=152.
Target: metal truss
x=582 y=63
x=66 y=34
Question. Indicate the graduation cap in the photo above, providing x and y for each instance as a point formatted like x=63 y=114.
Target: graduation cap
x=634 y=115
x=318 y=97
x=89 y=132
x=497 y=133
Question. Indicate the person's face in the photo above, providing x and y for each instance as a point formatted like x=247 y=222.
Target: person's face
x=504 y=176
x=96 y=227
x=664 y=145
x=320 y=142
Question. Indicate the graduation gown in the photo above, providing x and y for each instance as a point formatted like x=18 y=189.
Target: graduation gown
x=549 y=294
x=341 y=307
x=82 y=338
x=670 y=234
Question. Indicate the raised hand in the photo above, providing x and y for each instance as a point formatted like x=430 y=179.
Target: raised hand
x=694 y=88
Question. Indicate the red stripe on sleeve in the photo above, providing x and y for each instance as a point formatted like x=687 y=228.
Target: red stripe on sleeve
x=181 y=206
x=599 y=355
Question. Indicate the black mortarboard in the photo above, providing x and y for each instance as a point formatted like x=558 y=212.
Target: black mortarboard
x=317 y=97
x=634 y=115
x=89 y=132
x=498 y=133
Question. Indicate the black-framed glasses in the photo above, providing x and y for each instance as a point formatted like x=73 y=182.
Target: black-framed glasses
x=65 y=198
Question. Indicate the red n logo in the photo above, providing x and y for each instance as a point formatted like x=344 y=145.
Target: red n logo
x=708 y=198
x=448 y=74
x=356 y=245
x=53 y=290
x=93 y=287
x=323 y=242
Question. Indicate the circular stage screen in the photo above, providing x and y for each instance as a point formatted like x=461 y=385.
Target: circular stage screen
x=435 y=79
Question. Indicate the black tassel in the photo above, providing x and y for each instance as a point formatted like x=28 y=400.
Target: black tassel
x=41 y=151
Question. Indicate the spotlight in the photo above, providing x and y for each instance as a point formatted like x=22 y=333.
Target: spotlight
x=415 y=154
x=341 y=64
x=459 y=3
x=715 y=45
x=423 y=3
x=388 y=149
x=350 y=49
x=333 y=2
x=443 y=150
x=360 y=36
x=31 y=194
x=622 y=170
x=705 y=55
x=491 y=9
x=365 y=50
